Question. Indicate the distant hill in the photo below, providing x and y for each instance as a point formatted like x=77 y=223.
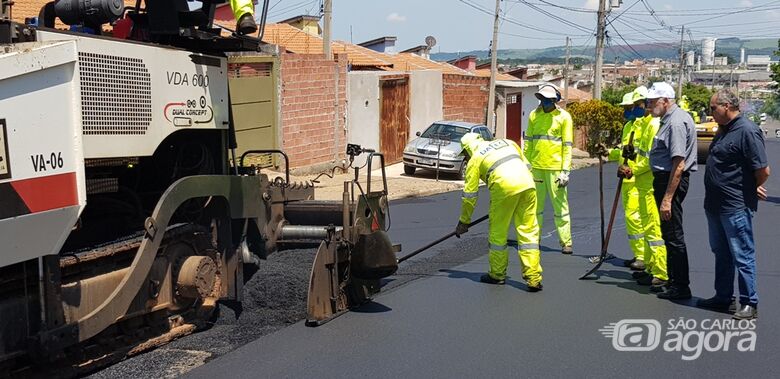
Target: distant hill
x=727 y=46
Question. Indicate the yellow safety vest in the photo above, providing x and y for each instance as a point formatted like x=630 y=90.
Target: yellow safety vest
x=501 y=165
x=549 y=139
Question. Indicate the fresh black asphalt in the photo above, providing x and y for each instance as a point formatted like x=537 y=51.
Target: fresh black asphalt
x=444 y=323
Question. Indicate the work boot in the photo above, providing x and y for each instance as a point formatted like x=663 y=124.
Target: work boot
x=645 y=280
x=534 y=287
x=639 y=274
x=246 y=24
x=674 y=293
x=746 y=312
x=715 y=303
x=486 y=278
x=596 y=258
x=567 y=250
x=657 y=285
x=628 y=262
x=637 y=265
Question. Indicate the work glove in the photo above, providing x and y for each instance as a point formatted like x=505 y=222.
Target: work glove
x=624 y=172
x=461 y=229
x=629 y=152
x=562 y=179
x=602 y=150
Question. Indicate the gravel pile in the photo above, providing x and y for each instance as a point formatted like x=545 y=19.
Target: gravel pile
x=274 y=298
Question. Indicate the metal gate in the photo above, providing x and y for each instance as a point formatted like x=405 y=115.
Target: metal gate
x=254 y=102
x=514 y=112
x=394 y=118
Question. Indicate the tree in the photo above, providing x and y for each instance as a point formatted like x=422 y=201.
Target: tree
x=595 y=117
x=698 y=96
x=772 y=105
x=614 y=96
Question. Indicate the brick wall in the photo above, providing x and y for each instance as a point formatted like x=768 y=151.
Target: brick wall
x=312 y=125
x=465 y=98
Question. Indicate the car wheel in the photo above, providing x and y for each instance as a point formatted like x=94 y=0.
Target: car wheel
x=409 y=170
x=462 y=171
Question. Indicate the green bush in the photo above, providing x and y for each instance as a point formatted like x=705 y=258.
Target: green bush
x=600 y=120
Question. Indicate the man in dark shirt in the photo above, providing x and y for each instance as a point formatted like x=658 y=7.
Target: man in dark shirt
x=736 y=170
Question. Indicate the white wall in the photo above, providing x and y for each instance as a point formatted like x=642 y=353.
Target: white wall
x=363 y=111
x=425 y=100
x=528 y=104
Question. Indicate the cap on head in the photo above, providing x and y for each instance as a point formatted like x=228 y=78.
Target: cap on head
x=548 y=92
x=628 y=99
x=469 y=141
x=659 y=90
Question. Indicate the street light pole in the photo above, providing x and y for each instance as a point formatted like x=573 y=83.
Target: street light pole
x=326 y=29
x=493 y=72
x=600 y=34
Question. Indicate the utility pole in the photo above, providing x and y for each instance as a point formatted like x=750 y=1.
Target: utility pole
x=600 y=34
x=566 y=71
x=615 y=77
x=682 y=63
x=326 y=29
x=712 y=84
x=493 y=69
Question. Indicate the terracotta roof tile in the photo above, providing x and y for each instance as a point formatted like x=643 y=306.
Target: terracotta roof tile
x=299 y=42
x=485 y=73
x=409 y=62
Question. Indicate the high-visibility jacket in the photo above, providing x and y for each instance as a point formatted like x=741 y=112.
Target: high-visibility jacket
x=241 y=7
x=644 y=129
x=549 y=139
x=501 y=165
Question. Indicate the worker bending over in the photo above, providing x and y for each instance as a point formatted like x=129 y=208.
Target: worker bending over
x=501 y=165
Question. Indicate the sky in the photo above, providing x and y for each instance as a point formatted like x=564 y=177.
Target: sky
x=460 y=25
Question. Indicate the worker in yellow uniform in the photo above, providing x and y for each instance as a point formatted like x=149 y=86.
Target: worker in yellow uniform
x=548 y=144
x=685 y=105
x=629 y=192
x=643 y=224
x=244 y=12
x=501 y=165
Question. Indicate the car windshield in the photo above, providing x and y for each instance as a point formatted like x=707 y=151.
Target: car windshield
x=444 y=131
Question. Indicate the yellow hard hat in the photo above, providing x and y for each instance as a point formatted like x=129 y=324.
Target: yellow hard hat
x=628 y=99
x=640 y=93
x=469 y=141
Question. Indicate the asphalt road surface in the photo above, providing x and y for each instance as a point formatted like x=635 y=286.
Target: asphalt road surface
x=447 y=324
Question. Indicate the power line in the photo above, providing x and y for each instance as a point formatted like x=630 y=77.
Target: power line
x=514 y=22
x=626 y=42
x=555 y=17
x=572 y=9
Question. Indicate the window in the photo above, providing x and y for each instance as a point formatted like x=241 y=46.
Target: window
x=485 y=133
x=452 y=132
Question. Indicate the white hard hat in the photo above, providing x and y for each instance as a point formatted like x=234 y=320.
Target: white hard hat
x=547 y=91
x=659 y=90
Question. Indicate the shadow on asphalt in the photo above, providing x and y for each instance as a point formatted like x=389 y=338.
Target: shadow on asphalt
x=773 y=199
x=372 y=307
x=474 y=277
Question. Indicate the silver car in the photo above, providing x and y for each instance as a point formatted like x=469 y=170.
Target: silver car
x=422 y=151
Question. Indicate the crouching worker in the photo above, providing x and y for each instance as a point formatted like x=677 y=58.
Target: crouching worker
x=501 y=165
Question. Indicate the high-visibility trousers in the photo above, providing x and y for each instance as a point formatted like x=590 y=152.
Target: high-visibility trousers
x=240 y=7
x=634 y=227
x=654 y=247
x=545 y=185
x=521 y=209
